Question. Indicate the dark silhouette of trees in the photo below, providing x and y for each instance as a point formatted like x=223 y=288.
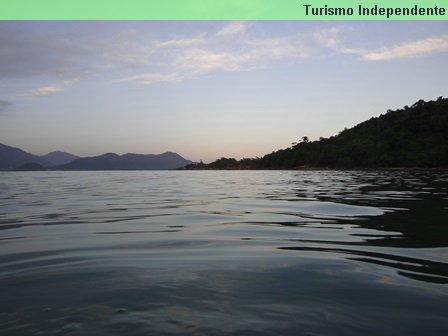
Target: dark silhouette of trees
x=224 y=163
x=415 y=136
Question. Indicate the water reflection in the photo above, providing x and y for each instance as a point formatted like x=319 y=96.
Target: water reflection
x=218 y=253
x=419 y=269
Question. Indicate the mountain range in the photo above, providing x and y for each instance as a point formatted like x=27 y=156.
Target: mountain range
x=12 y=158
x=130 y=161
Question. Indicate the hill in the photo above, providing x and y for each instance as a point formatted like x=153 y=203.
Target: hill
x=15 y=158
x=59 y=158
x=112 y=161
x=415 y=137
x=11 y=157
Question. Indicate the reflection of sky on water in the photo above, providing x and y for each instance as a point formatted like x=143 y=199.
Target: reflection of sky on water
x=253 y=252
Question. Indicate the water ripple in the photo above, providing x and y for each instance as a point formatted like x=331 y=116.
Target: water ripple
x=224 y=252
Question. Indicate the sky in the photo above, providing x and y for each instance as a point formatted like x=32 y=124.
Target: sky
x=207 y=89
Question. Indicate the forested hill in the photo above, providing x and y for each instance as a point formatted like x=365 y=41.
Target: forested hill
x=415 y=136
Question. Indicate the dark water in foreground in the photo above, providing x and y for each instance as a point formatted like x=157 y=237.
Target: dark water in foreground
x=224 y=252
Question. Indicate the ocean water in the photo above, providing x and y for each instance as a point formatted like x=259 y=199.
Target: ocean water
x=224 y=253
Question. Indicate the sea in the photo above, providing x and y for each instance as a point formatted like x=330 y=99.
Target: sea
x=318 y=252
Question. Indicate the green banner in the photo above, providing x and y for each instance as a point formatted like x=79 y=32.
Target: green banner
x=223 y=10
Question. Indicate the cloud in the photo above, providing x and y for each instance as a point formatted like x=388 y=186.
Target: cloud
x=330 y=38
x=280 y=48
x=182 y=43
x=127 y=49
x=201 y=54
x=4 y=104
x=43 y=91
x=26 y=53
x=46 y=51
x=149 y=78
x=412 y=49
x=202 y=61
x=255 y=54
x=73 y=79
x=38 y=49
x=232 y=29
x=69 y=55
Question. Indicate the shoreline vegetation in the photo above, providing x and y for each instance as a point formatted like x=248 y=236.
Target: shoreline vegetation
x=413 y=137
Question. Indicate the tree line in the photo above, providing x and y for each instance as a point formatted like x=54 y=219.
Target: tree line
x=415 y=136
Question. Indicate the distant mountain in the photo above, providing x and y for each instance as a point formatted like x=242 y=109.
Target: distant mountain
x=59 y=158
x=11 y=157
x=112 y=161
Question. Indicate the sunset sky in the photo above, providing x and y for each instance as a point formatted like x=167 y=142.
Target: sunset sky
x=207 y=89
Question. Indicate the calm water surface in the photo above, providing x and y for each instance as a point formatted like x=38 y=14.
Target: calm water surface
x=224 y=252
